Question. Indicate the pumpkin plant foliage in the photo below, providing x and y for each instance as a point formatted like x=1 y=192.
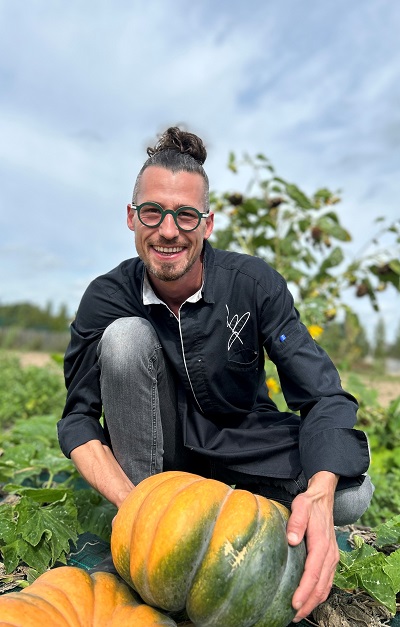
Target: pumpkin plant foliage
x=371 y=570
x=48 y=506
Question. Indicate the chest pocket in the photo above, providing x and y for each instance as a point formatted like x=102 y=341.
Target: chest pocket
x=243 y=359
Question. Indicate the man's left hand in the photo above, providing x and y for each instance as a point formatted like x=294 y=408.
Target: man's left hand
x=312 y=519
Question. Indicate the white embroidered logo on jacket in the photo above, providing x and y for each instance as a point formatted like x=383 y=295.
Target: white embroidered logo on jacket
x=236 y=325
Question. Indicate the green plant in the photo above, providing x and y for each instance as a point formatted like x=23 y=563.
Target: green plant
x=48 y=505
x=372 y=570
x=184 y=541
x=25 y=392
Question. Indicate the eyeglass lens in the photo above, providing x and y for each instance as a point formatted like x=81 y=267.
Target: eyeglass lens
x=186 y=218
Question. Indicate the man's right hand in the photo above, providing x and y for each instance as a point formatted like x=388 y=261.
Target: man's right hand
x=98 y=466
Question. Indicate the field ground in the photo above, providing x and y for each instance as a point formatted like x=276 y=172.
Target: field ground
x=388 y=387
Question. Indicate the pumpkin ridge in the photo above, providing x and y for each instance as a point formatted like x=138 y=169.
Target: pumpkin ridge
x=52 y=586
x=211 y=531
x=121 y=536
x=145 y=587
x=227 y=600
x=37 y=605
x=209 y=523
x=206 y=548
x=261 y=552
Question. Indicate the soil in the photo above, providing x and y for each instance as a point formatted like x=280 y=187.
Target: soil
x=35 y=359
x=387 y=390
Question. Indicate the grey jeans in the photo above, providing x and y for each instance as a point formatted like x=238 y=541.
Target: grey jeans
x=139 y=400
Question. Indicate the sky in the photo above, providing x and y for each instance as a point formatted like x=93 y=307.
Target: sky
x=86 y=86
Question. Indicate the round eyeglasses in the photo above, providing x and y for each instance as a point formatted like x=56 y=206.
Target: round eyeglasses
x=152 y=214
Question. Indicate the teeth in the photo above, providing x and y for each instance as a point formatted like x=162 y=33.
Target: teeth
x=162 y=249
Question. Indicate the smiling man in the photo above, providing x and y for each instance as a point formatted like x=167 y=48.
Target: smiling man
x=170 y=345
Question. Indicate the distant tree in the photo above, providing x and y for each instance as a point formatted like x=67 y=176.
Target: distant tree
x=394 y=348
x=380 y=348
x=28 y=316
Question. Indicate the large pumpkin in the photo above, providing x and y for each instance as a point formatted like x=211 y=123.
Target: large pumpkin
x=70 y=597
x=182 y=541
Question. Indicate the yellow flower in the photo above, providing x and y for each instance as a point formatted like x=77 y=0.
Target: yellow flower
x=273 y=386
x=315 y=331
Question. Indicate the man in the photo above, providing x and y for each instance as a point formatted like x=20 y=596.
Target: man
x=170 y=345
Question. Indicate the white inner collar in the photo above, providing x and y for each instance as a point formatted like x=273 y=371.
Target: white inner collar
x=150 y=298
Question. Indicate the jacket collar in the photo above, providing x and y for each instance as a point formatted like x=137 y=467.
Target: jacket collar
x=208 y=273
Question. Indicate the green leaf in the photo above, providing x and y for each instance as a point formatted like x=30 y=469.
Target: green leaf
x=298 y=196
x=8 y=523
x=232 y=162
x=392 y=569
x=37 y=534
x=38 y=557
x=379 y=585
x=394 y=265
x=43 y=496
x=334 y=259
x=331 y=227
x=370 y=570
x=388 y=532
x=95 y=514
x=304 y=224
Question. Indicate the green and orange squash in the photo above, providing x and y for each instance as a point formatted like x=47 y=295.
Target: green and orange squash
x=182 y=541
x=70 y=597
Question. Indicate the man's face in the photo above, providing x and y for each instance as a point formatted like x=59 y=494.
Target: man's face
x=168 y=252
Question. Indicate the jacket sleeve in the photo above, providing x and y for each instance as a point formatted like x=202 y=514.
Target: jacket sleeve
x=80 y=420
x=311 y=386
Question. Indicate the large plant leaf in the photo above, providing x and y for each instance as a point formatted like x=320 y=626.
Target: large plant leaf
x=388 y=532
x=38 y=531
x=95 y=514
x=370 y=570
x=392 y=568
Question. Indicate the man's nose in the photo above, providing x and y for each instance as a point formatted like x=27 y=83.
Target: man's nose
x=168 y=228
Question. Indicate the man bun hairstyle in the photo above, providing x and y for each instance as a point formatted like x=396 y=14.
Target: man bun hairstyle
x=186 y=143
x=178 y=151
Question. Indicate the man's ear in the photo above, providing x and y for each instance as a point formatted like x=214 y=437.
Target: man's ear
x=209 y=225
x=130 y=213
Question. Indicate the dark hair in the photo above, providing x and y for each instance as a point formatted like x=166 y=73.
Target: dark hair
x=177 y=151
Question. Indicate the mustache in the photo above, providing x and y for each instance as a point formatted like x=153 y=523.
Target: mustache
x=168 y=242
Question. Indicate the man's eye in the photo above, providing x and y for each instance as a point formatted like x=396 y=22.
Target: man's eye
x=150 y=211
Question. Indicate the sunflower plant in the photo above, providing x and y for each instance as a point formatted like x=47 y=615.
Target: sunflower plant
x=302 y=237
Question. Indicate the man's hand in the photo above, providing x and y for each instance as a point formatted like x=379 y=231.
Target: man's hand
x=312 y=518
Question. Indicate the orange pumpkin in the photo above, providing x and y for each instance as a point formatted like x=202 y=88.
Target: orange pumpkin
x=70 y=597
x=182 y=541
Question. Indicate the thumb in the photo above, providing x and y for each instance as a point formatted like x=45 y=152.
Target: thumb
x=298 y=521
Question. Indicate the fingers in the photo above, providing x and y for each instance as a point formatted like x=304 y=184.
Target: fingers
x=317 y=579
x=313 y=519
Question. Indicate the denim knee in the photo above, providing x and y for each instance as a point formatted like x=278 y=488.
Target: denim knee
x=129 y=338
x=351 y=503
